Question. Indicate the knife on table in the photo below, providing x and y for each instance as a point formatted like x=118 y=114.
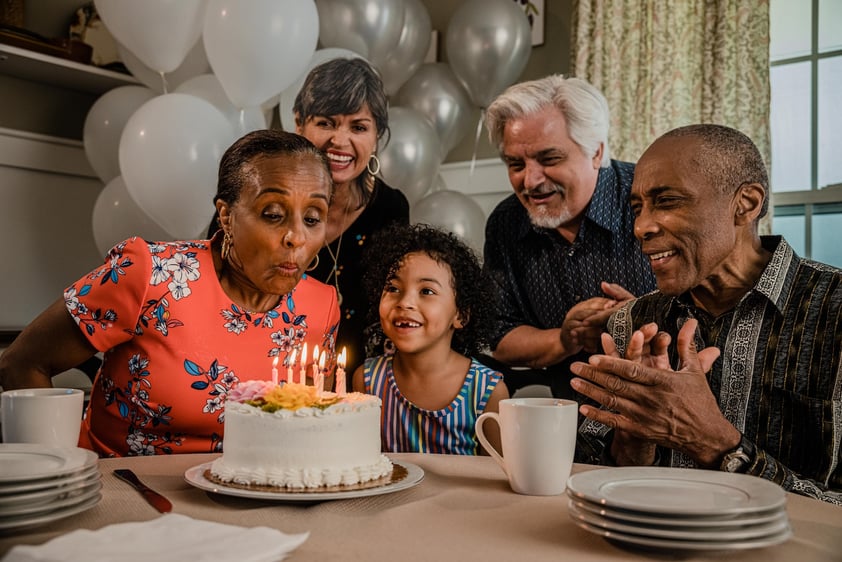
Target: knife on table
x=155 y=499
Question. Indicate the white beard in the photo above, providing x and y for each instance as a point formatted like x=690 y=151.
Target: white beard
x=542 y=217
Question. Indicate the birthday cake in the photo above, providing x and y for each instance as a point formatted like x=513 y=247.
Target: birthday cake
x=290 y=437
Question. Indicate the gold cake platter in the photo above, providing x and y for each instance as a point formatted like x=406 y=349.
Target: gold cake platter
x=404 y=475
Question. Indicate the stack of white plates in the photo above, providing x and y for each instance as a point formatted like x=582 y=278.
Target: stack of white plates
x=679 y=509
x=40 y=483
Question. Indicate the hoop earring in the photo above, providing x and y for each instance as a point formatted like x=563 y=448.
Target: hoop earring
x=376 y=160
x=227 y=242
x=315 y=265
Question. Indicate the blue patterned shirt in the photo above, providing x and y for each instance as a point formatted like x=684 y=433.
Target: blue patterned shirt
x=541 y=276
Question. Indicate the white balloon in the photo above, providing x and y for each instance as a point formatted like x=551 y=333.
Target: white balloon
x=159 y=32
x=288 y=95
x=116 y=217
x=371 y=28
x=436 y=92
x=412 y=158
x=208 y=88
x=488 y=45
x=194 y=64
x=258 y=48
x=403 y=60
x=452 y=211
x=104 y=124
x=169 y=155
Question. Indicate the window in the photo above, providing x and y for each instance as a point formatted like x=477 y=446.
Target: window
x=806 y=125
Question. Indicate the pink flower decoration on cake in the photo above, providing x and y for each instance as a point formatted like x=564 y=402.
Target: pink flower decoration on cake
x=250 y=390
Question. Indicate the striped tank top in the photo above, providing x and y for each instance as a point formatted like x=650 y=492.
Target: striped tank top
x=406 y=428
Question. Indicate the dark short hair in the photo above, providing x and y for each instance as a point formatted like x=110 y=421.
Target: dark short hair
x=726 y=156
x=341 y=87
x=475 y=296
x=234 y=165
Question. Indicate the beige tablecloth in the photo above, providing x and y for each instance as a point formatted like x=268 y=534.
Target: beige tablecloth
x=462 y=510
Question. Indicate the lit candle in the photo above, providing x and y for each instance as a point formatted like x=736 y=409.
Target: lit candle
x=315 y=363
x=340 y=373
x=290 y=362
x=275 y=370
x=302 y=367
x=319 y=376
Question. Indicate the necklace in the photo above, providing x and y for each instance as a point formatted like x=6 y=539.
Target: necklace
x=334 y=274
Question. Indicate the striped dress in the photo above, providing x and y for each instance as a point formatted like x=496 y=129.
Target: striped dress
x=406 y=428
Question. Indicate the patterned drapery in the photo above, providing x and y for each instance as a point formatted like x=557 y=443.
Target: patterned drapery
x=662 y=64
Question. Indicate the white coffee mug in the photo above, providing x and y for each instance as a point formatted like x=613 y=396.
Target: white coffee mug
x=538 y=436
x=51 y=416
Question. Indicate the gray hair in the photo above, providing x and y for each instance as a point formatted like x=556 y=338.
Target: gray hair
x=584 y=108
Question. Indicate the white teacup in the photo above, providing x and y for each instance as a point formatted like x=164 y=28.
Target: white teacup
x=538 y=436
x=51 y=416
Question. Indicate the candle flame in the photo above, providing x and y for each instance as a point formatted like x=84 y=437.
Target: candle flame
x=275 y=362
x=315 y=353
x=341 y=359
x=322 y=361
x=304 y=355
x=292 y=356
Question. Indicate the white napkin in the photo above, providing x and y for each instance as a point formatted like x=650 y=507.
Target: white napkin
x=169 y=537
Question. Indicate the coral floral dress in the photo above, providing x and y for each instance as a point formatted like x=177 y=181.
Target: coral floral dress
x=174 y=344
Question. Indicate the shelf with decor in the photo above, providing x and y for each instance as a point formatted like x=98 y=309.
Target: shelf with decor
x=59 y=72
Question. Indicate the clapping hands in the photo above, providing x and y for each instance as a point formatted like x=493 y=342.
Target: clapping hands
x=648 y=403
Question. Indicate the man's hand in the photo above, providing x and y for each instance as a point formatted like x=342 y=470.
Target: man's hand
x=581 y=329
x=649 y=402
x=586 y=321
x=649 y=347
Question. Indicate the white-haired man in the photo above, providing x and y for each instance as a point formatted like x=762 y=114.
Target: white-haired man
x=561 y=248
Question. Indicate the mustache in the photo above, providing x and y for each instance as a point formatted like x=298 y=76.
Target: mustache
x=544 y=188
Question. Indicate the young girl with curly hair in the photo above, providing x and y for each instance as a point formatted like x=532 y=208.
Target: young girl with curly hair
x=436 y=308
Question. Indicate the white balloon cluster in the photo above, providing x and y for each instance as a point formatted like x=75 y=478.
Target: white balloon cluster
x=213 y=69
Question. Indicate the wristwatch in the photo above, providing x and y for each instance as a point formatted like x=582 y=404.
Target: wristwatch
x=739 y=459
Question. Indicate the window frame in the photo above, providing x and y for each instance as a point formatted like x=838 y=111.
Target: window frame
x=814 y=195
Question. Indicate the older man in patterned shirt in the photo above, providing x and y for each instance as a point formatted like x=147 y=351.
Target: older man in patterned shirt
x=764 y=394
x=561 y=248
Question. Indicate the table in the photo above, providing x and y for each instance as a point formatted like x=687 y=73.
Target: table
x=462 y=510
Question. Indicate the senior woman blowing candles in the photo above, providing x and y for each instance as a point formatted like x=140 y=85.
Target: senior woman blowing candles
x=342 y=108
x=182 y=322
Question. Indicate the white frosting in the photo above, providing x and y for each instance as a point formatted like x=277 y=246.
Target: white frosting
x=304 y=448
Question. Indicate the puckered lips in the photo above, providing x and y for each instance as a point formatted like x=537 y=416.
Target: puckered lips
x=288 y=268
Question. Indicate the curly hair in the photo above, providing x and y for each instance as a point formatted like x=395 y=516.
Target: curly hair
x=475 y=295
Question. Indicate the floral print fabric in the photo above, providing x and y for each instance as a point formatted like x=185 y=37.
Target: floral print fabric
x=662 y=65
x=175 y=344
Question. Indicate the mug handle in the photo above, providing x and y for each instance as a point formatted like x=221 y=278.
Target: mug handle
x=484 y=440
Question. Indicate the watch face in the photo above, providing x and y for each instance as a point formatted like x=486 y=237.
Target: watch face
x=735 y=460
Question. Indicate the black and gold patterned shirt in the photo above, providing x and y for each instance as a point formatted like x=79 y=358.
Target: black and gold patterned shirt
x=778 y=379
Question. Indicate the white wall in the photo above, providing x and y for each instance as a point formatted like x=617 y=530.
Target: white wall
x=47 y=194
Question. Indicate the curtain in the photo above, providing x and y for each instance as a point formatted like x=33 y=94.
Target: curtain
x=662 y=64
